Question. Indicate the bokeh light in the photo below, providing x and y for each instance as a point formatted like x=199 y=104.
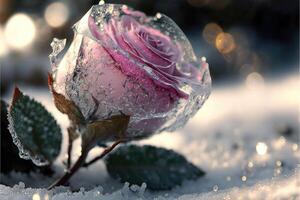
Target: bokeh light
x=46 y=197
x=261 y=148
x=254 y=80
x=36 y=196
x=295 y=147
x=250 y=164
x=19 y=31
x=278 y=163
x=210 y=32
x=56 y=14
x=225 y=43
x=279 y=143
x=244 y=178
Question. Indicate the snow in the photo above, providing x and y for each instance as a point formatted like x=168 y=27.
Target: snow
x=236 y=138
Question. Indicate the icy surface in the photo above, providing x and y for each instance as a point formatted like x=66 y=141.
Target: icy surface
x=227 y=139
x=125 y=61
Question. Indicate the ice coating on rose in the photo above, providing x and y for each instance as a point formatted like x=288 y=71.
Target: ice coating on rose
x=146 y=46
x=125 y=65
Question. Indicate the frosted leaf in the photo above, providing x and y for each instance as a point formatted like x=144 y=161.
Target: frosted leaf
x=161 y=169
x=33 y=129
x=106 y=71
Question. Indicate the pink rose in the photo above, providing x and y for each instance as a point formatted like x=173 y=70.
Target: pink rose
x=122 y=61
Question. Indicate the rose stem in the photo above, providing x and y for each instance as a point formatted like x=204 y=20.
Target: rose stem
x=80 y=161
x=70 y=146
x=70 y=172
x=104 y=153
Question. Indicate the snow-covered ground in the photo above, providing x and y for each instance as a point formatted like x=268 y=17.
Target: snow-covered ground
x=240 y=138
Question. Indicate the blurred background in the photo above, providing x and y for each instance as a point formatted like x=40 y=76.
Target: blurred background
x=247 y=131
x=240 y=39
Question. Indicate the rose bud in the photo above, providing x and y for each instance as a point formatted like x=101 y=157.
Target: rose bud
x=124 y=62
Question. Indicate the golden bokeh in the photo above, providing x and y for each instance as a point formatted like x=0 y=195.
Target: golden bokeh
x=225 y=43
x=210 y=32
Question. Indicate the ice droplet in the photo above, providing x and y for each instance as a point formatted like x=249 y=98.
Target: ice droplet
x=158 y=15
x=57 y=46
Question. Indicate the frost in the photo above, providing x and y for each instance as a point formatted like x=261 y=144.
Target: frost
x=57 y=46
x=85 y=74
x=282 y=189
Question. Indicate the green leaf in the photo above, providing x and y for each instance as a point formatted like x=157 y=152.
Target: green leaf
x=34 y=130
x=10 y=160
x=159 y=168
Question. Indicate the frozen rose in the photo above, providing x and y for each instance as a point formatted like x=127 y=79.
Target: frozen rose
x=122 y=61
